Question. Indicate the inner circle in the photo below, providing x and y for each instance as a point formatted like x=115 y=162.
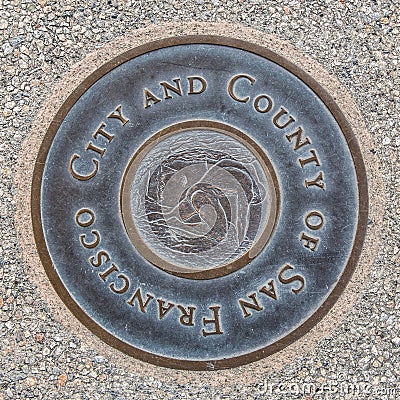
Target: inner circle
x=199 y=201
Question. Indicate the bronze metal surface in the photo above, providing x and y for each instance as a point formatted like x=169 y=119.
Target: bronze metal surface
x=246 y=267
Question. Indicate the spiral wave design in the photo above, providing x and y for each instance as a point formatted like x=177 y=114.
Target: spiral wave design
x=194 y=198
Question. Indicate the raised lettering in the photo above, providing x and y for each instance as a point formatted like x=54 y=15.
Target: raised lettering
x=310 y=242
x=90 y=245
x=138 y=297
x=280 y=114
x=318 y=181
x=202 y=81
x=123 y=288
x=108 y=272
x=168 y=87
x=313 y=158
x=101 y=258
x=231 y=85
x=148 y=96
x=314 y=220
x=291 y=279
x=90 y=217
x=187 y=316
x=79 y=176
x=270 y=291
x=298 y=135
x=245 y=305
x=102 y=132
x=95 y=149
x=268 y=105
x=214 y=321
x=163 y=310
x=118 y=115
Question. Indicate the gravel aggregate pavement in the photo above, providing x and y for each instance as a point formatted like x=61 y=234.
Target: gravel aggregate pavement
x=356 y=41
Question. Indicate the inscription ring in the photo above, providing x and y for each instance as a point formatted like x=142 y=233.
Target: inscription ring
x=199 y=202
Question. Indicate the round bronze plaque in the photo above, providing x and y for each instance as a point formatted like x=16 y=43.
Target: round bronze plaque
x=199 y=202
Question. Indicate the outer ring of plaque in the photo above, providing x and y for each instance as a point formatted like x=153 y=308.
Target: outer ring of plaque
x=307 y=325
x=226 y=268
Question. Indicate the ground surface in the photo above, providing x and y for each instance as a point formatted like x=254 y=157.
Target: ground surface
x=357 y=41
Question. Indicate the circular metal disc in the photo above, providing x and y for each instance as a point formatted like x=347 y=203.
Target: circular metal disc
x=199 y=202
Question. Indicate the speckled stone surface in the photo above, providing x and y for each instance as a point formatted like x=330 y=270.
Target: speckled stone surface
x=45 y=352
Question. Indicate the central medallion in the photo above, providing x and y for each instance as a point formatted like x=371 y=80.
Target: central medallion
x=199 y=199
